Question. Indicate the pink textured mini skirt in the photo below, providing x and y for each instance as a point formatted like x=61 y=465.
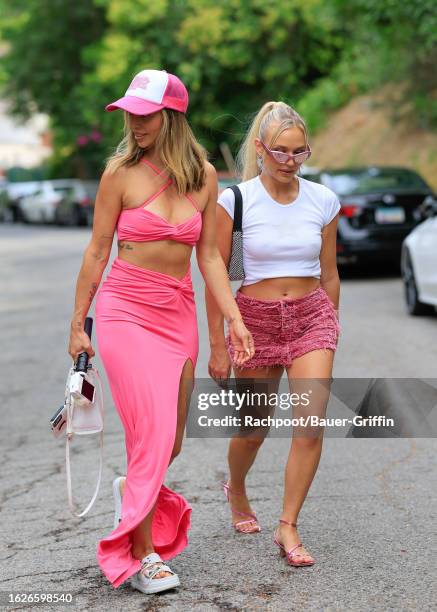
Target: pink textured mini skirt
x=285 y=329
x=146 y=331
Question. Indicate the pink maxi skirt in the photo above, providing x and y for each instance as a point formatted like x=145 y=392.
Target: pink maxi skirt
x=288 y=328
x=146 y=331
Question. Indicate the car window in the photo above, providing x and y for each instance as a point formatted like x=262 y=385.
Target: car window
x=372 y=180
x=91 y=189
x=63 y=190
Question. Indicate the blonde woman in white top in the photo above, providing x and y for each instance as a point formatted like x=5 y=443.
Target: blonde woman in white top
x=288 y=300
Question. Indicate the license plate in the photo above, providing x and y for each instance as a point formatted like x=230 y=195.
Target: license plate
x=390 y=215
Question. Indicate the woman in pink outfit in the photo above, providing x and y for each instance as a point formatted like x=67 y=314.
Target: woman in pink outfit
x=160 y=193
x=289 y=301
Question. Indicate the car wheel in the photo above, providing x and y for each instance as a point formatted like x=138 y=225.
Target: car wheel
x=74 y=217
x=22 y=216
x=7 y=215
x=16 y=214
x=58 y=220
x=82 y=217
x=89 y=218
x=414 y=305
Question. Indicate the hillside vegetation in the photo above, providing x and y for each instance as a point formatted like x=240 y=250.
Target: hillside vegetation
x=232 y=55
x=375 y=129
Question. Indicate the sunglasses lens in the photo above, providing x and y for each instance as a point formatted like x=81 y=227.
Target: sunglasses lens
x=301 y=157
x=280 y=157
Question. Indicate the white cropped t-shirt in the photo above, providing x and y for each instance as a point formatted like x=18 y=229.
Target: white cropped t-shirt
x=281 y=240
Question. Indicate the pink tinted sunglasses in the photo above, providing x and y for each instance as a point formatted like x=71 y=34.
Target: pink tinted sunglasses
x=283 y=158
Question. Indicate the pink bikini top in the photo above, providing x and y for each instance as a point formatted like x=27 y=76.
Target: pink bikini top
x=142 y=225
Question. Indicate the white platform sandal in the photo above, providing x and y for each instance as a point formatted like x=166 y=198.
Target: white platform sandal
x=117 y=500
x=145 y=580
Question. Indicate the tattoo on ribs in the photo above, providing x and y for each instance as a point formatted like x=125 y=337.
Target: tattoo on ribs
x=127 y=247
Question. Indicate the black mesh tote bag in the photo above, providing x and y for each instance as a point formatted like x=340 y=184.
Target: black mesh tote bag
x=235 y=265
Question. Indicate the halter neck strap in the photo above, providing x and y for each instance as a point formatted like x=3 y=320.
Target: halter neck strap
x=145 y=161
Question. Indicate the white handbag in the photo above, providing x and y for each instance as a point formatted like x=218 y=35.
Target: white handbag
x=82 y=414
x=83 y=418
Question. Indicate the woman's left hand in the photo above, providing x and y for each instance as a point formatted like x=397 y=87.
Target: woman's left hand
x=242 y=342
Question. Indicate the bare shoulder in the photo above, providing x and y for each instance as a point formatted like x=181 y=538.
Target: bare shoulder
x=114 y=179
x=211 y=172
x=211 y=179
x=211 y=184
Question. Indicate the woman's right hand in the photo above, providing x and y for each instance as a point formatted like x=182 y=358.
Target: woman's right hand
x=79 y=343
x=219 y=364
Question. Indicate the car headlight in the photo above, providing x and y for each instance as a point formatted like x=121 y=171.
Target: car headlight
x=428 y=208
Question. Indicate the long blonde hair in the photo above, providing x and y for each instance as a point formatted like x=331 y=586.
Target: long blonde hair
x=277 y=112
x=183 y=157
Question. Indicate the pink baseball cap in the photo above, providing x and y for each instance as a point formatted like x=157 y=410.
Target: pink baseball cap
x=151 y=91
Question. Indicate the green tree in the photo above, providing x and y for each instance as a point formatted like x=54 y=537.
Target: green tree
x=45 y=63
x=395 y=42
x=70 y=59
x=232 y=55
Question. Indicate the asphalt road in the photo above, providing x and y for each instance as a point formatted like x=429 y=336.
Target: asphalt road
x=369 y=519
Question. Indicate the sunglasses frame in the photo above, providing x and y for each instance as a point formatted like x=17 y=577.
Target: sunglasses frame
x=289 y=156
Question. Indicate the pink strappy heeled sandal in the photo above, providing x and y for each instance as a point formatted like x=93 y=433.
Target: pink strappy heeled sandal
x=251 y=523
x=291 y=554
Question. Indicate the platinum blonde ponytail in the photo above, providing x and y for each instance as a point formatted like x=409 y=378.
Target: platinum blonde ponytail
x=271 y=112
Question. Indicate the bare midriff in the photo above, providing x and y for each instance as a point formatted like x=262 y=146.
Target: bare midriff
x=165 y=256
x=281 y=288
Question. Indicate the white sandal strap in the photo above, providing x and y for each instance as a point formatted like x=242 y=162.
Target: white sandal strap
x=152 y=558
x=149 y=570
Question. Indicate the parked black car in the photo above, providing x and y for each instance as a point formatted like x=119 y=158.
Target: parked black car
x=379 y=207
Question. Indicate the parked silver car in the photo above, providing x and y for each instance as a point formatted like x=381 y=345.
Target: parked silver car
x=64 y=201
x=10 y=197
